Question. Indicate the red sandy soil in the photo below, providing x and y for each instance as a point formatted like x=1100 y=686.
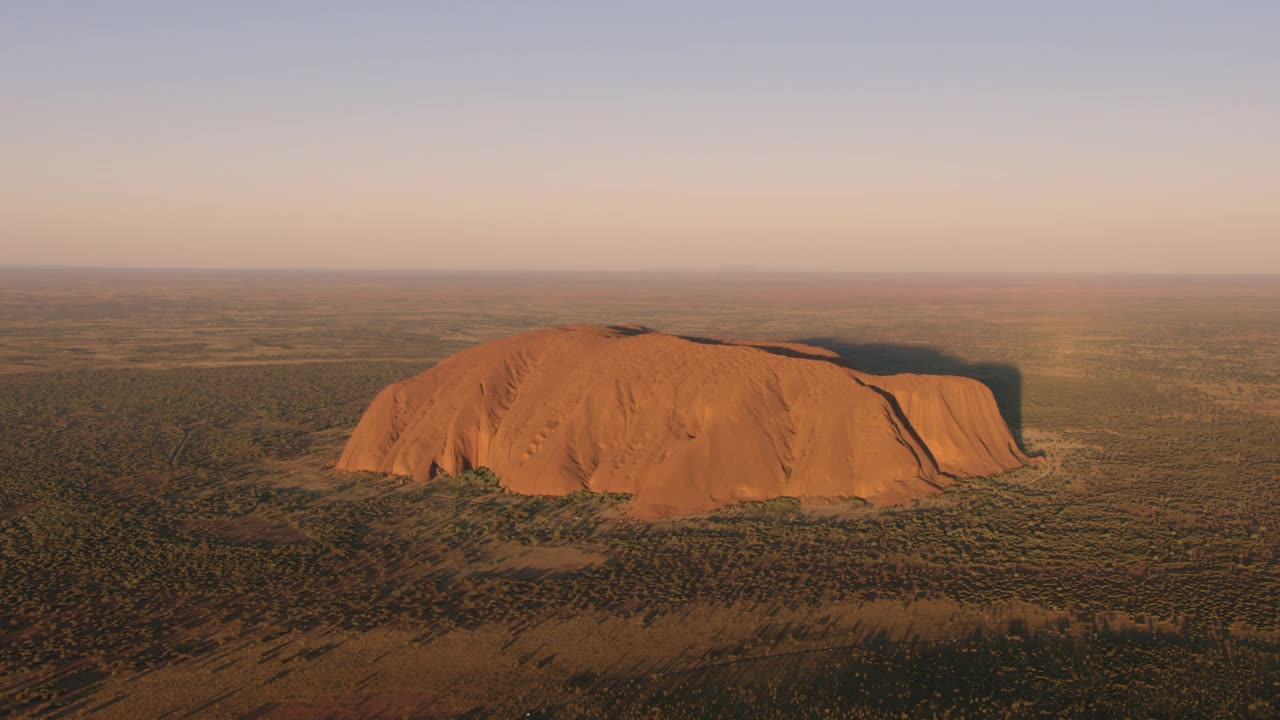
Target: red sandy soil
x=406 y=704
x=684 y=424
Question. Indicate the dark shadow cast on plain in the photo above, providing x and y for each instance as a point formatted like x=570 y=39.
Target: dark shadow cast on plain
x=1004 y=380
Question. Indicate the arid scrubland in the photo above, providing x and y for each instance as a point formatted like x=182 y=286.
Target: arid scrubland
x=175 y=542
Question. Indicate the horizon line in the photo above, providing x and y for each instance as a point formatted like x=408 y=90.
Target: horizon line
x=728 y=269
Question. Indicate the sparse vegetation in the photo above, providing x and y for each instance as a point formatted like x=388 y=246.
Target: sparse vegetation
x=156 y=518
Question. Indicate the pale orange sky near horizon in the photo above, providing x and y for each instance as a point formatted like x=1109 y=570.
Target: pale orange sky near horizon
x=998 y=139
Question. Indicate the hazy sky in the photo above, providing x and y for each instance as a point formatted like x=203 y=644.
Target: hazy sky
x=1046 y=136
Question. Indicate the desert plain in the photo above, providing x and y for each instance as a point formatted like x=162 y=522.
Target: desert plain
x=176 y=540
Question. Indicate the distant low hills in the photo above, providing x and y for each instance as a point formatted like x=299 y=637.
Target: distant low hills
x=684 y=424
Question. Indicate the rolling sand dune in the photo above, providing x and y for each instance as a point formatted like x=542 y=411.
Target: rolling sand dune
x=684 y=424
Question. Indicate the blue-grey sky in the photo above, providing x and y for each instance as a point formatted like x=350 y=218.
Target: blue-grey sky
x=1113 y=136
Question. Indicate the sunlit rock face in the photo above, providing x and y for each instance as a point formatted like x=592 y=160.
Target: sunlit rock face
x=684 y=424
